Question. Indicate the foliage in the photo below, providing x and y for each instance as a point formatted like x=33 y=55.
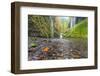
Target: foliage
x=53 y=26
x=60 y=25
x=41 y=24
x=79 y=30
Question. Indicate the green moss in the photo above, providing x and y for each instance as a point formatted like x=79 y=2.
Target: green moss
x=80 y=30
x=33 y=45
x=34 y=38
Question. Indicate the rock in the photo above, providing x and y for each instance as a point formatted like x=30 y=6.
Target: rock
x=75 y=54
x=33 y=44
x=49 y=49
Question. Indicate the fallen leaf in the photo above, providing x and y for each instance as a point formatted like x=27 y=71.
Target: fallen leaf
x=46 y=49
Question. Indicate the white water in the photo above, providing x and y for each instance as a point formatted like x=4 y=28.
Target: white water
x=52 y=28
x=61 y=36
x=72 y=22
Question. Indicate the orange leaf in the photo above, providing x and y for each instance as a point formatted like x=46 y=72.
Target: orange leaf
x=46 y=49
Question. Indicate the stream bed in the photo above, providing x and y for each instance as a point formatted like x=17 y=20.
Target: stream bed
x=54 y=48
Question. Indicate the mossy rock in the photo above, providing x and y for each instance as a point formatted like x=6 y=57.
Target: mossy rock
x=34 y=38
x=34 y=45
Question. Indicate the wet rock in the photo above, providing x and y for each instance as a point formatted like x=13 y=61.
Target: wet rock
x=48 y=49
x=75 y=54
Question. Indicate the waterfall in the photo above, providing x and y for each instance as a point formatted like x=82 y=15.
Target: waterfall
x=72 y=21
x=61 y=36
x=52 y=28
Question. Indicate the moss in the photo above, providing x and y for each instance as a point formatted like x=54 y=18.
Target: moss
x=34 y=38
x=33 y=44
x=80 y=30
